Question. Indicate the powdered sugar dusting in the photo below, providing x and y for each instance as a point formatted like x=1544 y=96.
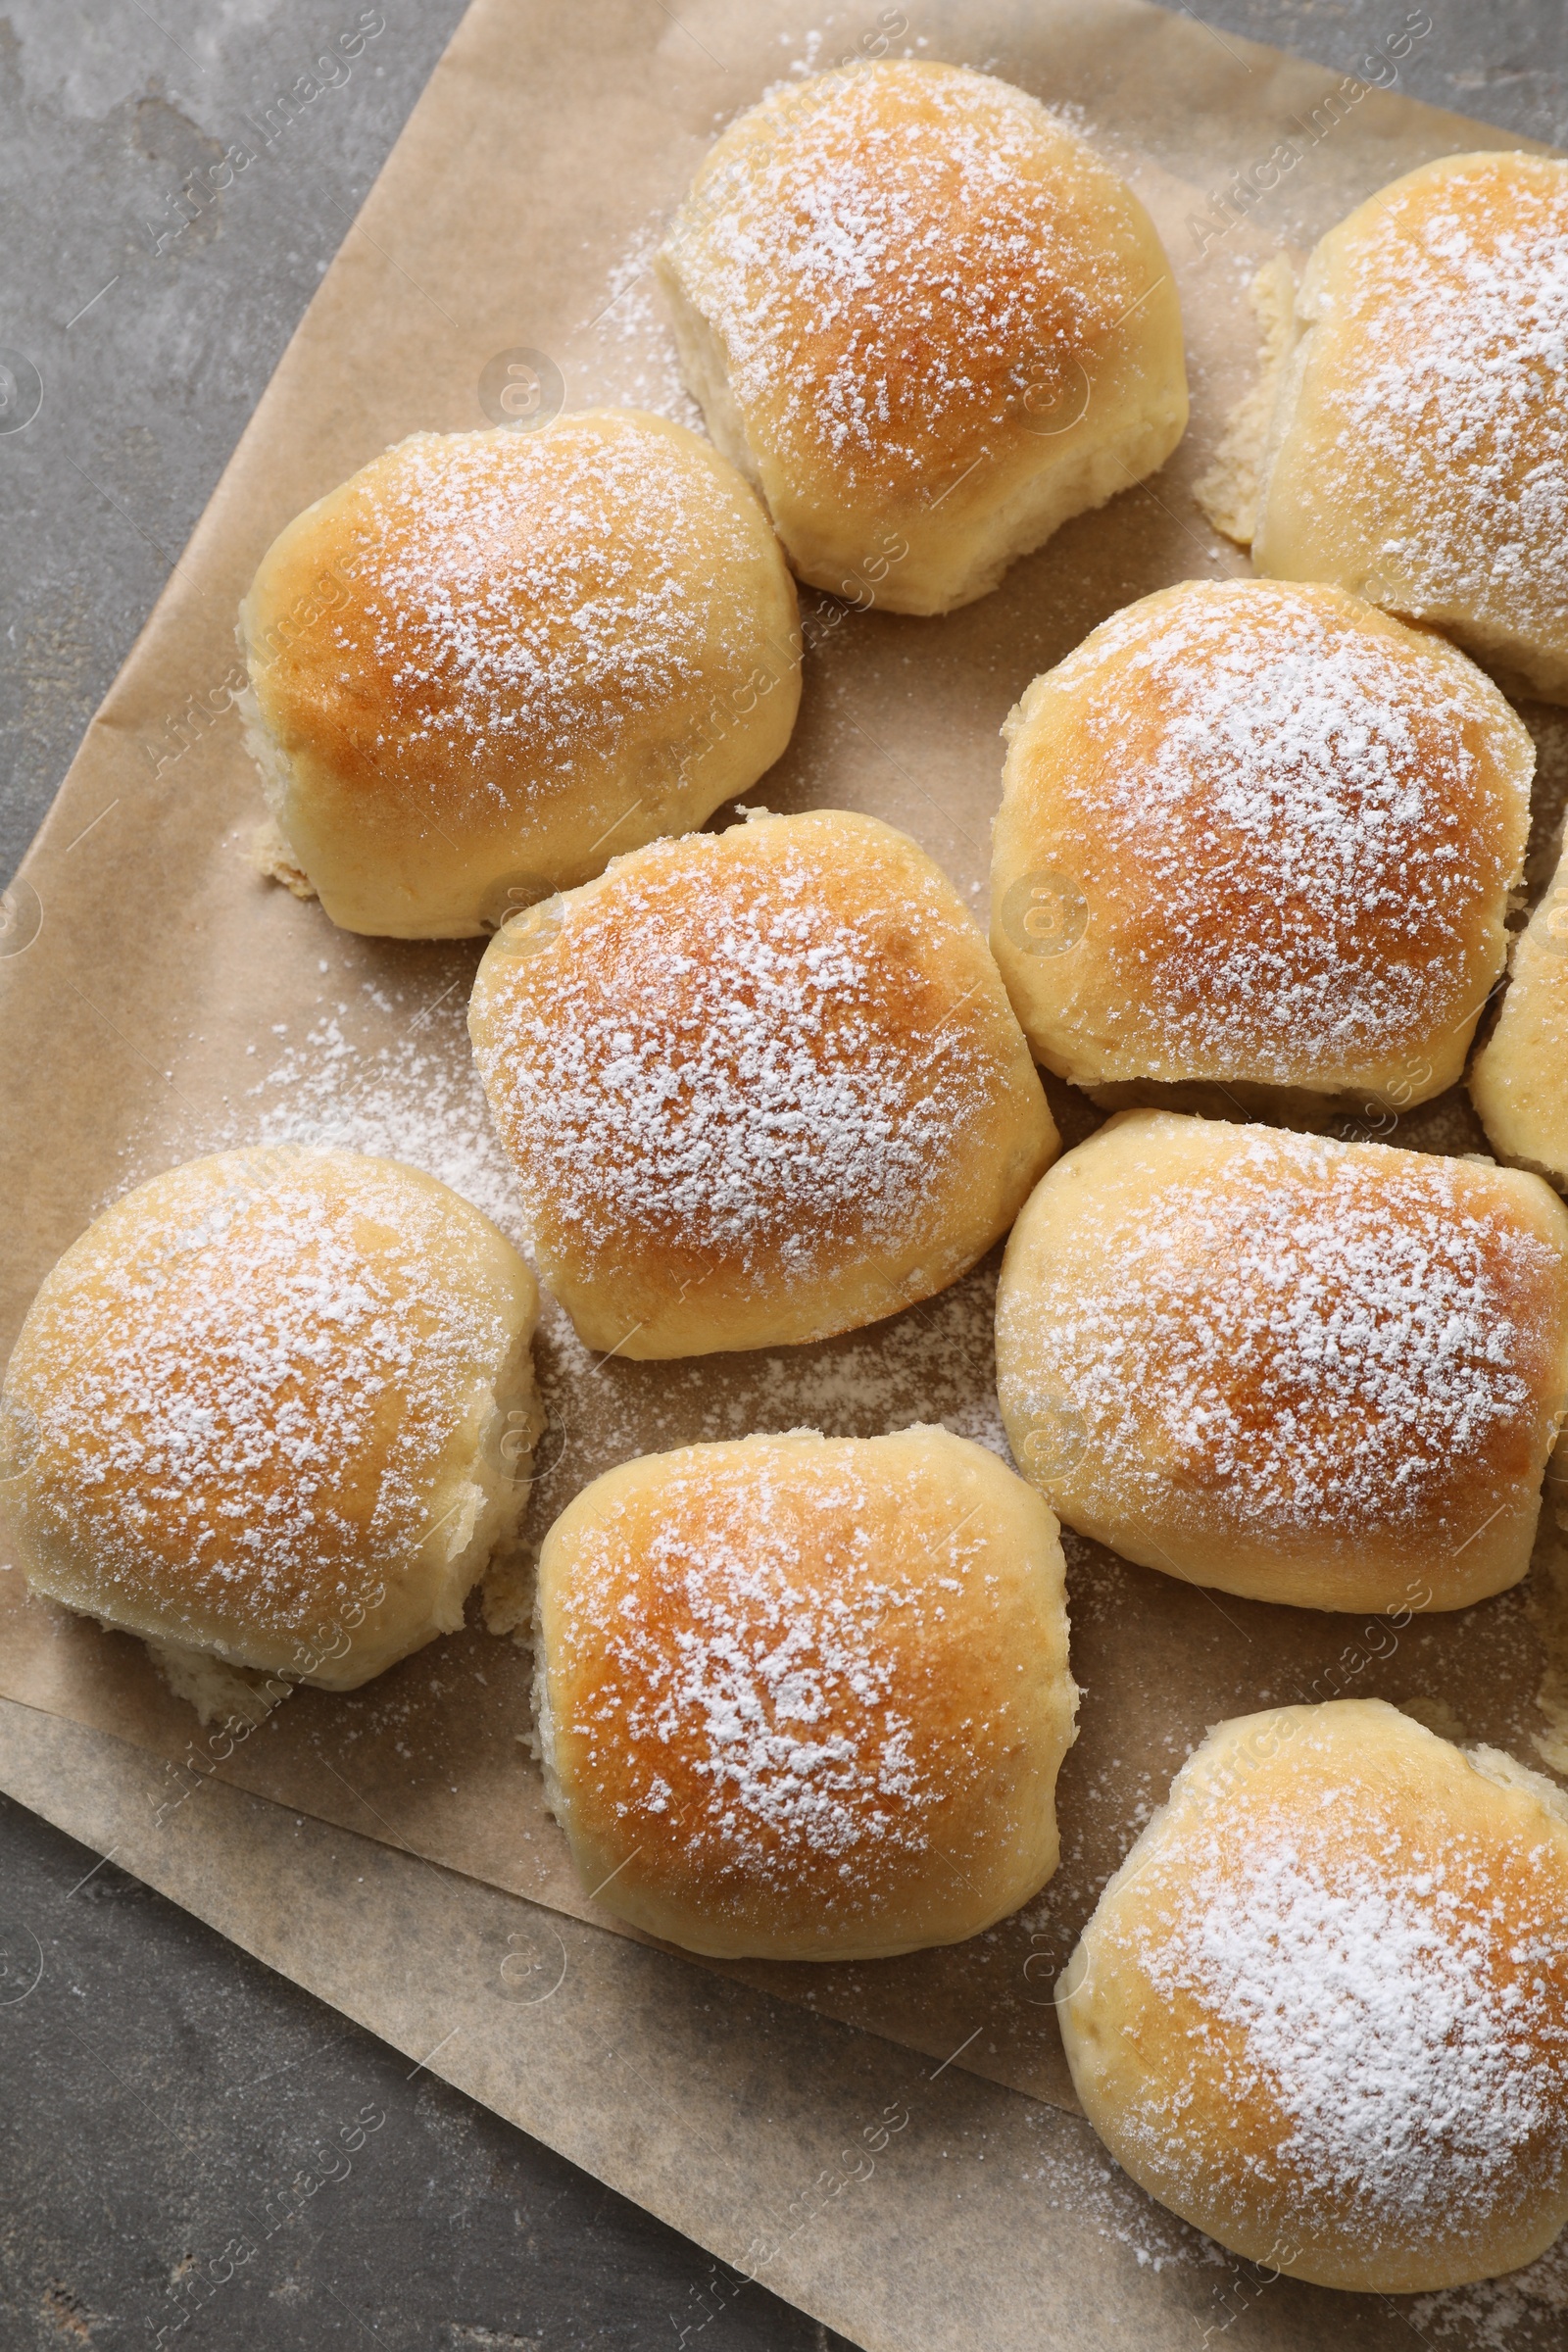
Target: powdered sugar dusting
x=896 y=261
x=1388 y=2008
x=520 y=598
x=718 y=1053
x=1460 y=306
x=257 y=1391
x=1315 y=833
x=747 y=1661
x=1308 y=1338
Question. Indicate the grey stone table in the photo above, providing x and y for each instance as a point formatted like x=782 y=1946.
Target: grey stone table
x=159 y=2081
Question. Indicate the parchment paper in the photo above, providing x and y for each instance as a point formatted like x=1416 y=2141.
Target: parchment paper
x=903 y=2202
x=164 y=1001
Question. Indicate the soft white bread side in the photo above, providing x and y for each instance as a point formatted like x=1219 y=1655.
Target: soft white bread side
x=1519 y=1079
x=1322 y=2011
x=927 y=320
x=1306 y=1371
x=1261 y=835
x=759 y=1086
x=262 y=1398
x=490 y=661
x=804 y=1698
x=1418 y=452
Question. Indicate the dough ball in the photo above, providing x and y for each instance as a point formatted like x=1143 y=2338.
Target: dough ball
x=491 y=660
x=929 y=323
x=806 y=1697
x=267 y=1409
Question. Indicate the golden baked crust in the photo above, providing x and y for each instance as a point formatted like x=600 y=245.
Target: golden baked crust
x=1300 y=1370
x=1519 y=1079
x=1259 y=834
x=259 y=1398
x=928 y=321
x=490 y=661
x=807 y=1697
x=1322 y=2009
x=760 y=1086
x=1418 y=452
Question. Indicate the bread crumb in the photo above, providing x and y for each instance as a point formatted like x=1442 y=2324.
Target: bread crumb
x=272 y=857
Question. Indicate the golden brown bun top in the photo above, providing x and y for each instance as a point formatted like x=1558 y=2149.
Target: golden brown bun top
x=908 y=260
x=247 y=1377
x=472 y=606
x=1290 y=822
x=1301 y=1335
x=1438 y=434
x=768 y=1049
x=1340 y=1954
x=795 y=1672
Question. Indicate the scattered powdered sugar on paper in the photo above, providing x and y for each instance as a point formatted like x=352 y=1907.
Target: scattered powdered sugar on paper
x=1310 y=848
x=1527 y=2311
x=414 y=1097
x=1076 y=2176
x=628 y=349
x=716 y=1056
x=896 y=261
x=1306 y=1338
x=935 y=1362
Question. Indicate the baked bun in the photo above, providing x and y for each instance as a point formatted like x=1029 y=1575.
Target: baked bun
x=804 y=1698
x=926 y=319
x=256 y=1411
x=1322 y=2009
x=1517 y=1080
x=1418 y=452
x=1300 y=1370
x=1258 y=835
x=492 y=659
x=760 y=1086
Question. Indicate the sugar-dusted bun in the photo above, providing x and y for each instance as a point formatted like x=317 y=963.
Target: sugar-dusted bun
x=489 y=661
x=1519 y=1079
x=1322 y=2009
x=1418 y=452
x=760 y=1086
x=928 y=322
x=1260 y=835
x=806 y=1697
x=266 y=1408
x=1300 y=1370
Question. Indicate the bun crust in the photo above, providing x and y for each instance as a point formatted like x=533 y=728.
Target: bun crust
x=804 y=1698
x=1418 y=454
x=1322 y=2009
x=260 y=1398
x=489 y=661
x=1258 y=834
x=759 y=1086
x=1516 y=1080
x=928 y=322
x=1305 y=1371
